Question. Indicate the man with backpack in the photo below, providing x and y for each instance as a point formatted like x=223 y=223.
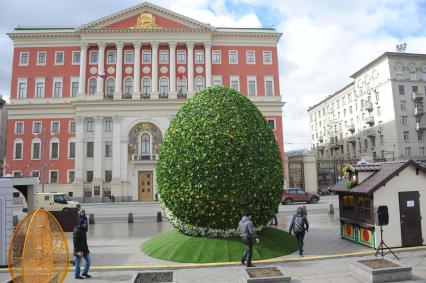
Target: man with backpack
x=299 y=224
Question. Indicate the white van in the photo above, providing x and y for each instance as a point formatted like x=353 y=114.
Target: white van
x=54 y=202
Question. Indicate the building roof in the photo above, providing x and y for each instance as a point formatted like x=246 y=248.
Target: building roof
x=383 y=173
x=383 y=56
x=330 y=96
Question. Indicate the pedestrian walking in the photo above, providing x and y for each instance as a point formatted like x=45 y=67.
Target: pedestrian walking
x=299 y=224
x=81 y=250
x=248 y=234
x=82 y=217
x=274 y=220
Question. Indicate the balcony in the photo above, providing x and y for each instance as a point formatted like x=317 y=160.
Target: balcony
x=420 y=126
x=417 y=95
x=370 y=133
x=351 y=139
x=369 y=120
x=145 y=95
x=144 y=157
x=418 y=111
x=321 y=139
x=181 y=94
x=368 y=106
x=163 y=95
x=351 y=128
x=335 y=142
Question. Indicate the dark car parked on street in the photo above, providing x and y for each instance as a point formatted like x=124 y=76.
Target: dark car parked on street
x=298 y=195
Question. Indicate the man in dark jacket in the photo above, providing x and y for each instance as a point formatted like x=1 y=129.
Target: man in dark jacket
x=82 y=217
x=248 y=234
x=299 y=224
x=81 y=250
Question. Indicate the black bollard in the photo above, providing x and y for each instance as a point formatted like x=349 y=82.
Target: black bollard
x=331 y=209
x=159 y=217
x=91 y=218
x=130 y=218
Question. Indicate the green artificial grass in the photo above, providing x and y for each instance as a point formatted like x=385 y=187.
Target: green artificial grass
x=174 y=246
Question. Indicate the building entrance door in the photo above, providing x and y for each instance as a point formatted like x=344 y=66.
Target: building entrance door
x=411 y=226
x=145 y=186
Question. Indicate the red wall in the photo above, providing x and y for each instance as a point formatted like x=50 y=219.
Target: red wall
x=26 y=164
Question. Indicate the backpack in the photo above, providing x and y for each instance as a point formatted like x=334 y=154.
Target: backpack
x=299 y=224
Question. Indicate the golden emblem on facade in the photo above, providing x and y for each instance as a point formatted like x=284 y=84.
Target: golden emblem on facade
x=39 y=251
x=146 y=21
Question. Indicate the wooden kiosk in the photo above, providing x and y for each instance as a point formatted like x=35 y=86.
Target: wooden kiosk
x=400 y=185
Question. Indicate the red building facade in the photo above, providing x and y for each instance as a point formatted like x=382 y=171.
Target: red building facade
x=89 y=106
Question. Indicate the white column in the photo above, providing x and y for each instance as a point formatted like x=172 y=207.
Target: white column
x=79 y=149
x=190 y=47
x=172 y=46
x=137 y=70
x=116 y=149
x=208 y=56
x=154 y=70
x=101 y=66
x=98 y=149
x=119 y=70
x=83 y=62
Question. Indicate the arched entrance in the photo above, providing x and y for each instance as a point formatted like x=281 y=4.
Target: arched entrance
x=144 y=145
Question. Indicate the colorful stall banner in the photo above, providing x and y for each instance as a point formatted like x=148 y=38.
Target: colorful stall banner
x=366 y=237
x=348 y=231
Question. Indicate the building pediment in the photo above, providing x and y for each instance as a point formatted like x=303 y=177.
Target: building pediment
x=145 y=16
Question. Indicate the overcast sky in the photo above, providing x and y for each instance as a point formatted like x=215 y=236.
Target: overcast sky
x=324 y=42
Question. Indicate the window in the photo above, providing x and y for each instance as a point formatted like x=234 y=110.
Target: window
x=59 y=57
x=413 y=76
x=235 y=83
x=415 y=89
x=19 y=127
x=379 y=110
x=216 y=57
x=35 y=173
x=251 y=86
x=35 y=149
x=217 y=80
x=408 y=151
x=37 y=127
x=364 y=207
x=269 y=86
x=74 y=87
x=146 y=57
x=128 y=57
x=250 y=57
x=54 y=149
x=403 y=105
x=271 y=123
x=181 y=87
x=164 y=87
x=22 y=88
x=71 y=127
x=108 y=176
x=146 y=86
x=128 y=86
x=164 y=56
x=267 y=57
x=419 y=136
x=89 y=176
x=145 y=144
x=92 y=86
x=404 y=120
x=71 y=149
x=57 y=87
x=55 y=127
x=199 y=56
x=89 y=149
x=108 y=125
x=199 y=84
x=90 y=126
x=71 y=176
x=93 y=57
x=422 y=151
x=401 y=90
x=17 y=174
x=350 y=109
x=17 y=149
x=39 y=87
x=181 y=56
x=406 y=135
x=53 y=176
x=76 y=57
x=108 y=149
x=382 y=140
x=110 y=87
x=24 y=58
x=233 y=57
x=41 y=58
x=111 y=57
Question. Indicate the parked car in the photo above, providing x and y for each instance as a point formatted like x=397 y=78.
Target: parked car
x=298 y=195
x=54 y=202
